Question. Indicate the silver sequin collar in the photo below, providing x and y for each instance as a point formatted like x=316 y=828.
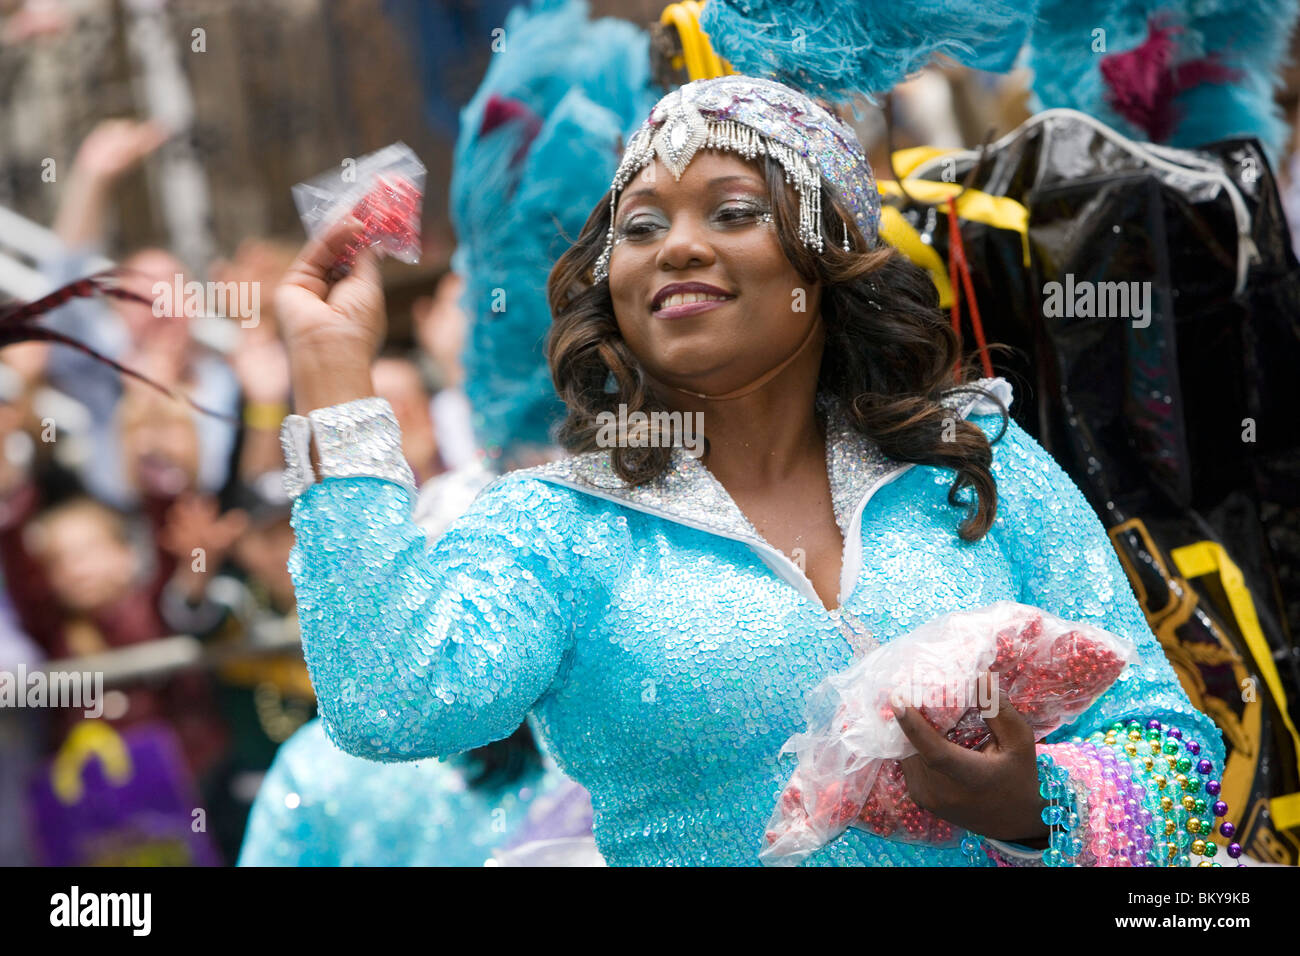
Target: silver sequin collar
x=689 y=493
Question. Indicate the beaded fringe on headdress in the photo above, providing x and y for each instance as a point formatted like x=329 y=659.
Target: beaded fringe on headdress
x=732 y=137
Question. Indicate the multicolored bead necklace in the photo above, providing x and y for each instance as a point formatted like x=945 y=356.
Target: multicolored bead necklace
x=1150 y=799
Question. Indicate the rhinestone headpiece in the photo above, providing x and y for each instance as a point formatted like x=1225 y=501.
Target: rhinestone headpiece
x=751 y=116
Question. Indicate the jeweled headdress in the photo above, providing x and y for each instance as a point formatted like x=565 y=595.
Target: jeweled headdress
x=752 y=117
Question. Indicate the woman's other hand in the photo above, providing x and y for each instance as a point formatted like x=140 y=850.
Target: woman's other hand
x=993 y=791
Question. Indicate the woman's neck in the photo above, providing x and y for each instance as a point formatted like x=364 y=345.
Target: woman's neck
x=766 y=434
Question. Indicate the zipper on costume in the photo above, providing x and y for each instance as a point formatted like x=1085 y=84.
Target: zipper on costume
x=851 y=561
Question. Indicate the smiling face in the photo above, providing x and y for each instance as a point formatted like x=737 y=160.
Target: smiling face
x=706 y=228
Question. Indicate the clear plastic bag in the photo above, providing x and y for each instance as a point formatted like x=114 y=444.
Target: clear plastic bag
x=384 y=189
x=848 y=771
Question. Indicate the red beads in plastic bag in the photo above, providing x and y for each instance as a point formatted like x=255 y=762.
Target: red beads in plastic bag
x=383 y=189
x=390 y=216
x=849 y=772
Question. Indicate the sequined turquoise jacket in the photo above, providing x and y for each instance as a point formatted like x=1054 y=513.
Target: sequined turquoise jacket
x=664 y=647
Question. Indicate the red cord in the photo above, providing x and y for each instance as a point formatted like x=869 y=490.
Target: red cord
x=957 y=263
x=953 y=232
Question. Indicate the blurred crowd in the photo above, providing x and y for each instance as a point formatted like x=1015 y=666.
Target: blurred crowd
x=129 y=518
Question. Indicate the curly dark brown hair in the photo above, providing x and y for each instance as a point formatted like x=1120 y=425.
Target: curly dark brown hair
x=890 y=353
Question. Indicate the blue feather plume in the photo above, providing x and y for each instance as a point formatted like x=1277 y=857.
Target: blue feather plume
x=1249 y=36
x=517 y=203
x=836 y=48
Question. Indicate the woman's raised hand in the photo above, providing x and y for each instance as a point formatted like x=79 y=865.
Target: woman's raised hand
x=332 y=329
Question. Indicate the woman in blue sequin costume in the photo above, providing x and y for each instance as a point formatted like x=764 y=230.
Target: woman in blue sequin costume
x=663 y=615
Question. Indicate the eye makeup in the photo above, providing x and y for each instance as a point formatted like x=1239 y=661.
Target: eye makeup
x=733 y=211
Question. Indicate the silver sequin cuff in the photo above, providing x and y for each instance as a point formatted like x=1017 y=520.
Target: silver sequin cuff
x=357 y=439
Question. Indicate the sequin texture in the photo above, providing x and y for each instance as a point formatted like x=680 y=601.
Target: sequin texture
x=664 y=649
x=320 y=807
